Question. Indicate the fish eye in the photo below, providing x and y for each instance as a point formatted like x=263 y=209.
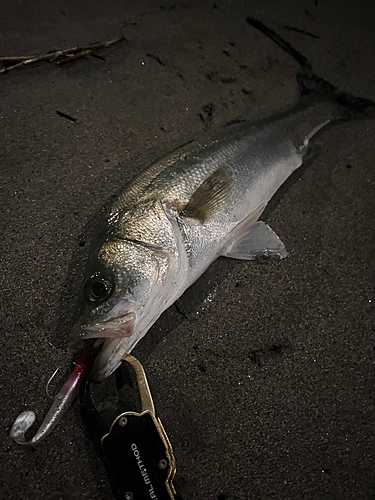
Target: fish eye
x=98 y=288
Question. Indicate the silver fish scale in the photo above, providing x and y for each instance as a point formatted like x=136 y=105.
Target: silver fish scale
x=147 y=223
x=260 y=158
x=249 y=154
x=253 y=153
x=138 y=262
x=259 y=161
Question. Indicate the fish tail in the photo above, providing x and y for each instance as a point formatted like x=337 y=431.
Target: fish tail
x=351 y=107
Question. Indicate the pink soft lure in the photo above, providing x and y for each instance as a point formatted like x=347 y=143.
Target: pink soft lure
x=61 y=404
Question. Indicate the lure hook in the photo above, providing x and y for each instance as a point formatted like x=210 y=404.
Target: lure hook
x=49 y=383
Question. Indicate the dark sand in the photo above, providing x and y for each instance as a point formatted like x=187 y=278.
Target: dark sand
x=266 y=393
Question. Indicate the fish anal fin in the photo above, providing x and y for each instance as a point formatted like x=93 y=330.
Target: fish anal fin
x=210 y=195
x=256 y=240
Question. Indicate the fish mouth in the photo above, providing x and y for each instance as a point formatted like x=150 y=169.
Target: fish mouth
x=118 y=327
x=109 y=337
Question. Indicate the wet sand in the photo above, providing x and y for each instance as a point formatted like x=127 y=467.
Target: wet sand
x=266 y=387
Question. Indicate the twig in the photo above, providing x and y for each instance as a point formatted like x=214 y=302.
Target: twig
x=57 y=56
x=64 y=115
x=303 y=32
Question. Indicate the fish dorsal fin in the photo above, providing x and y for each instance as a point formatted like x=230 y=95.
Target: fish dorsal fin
x=210 y=195
x=258 y=240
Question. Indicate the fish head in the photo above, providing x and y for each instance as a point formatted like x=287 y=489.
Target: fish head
x=128 y=284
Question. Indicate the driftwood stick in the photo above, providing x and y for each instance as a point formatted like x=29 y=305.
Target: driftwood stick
x=58 y=56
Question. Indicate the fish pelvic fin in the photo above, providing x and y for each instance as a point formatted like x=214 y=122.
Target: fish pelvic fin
x=349 y=106
x=210 y=195
x=256 y=241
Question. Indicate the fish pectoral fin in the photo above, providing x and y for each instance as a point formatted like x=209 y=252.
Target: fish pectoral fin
x=258 y=240
x=210 y=195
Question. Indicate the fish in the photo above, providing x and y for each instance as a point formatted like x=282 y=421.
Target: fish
x=200 y=202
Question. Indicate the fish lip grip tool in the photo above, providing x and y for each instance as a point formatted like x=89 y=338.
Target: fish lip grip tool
x=135 y=449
